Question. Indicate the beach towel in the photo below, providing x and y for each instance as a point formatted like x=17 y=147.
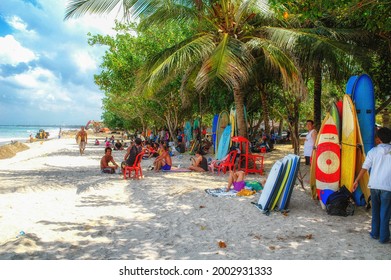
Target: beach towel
x=220 y=192
x=173 y=169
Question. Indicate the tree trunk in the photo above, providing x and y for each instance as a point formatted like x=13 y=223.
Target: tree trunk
x=295 y=127
x=317 y=96
x=239 y=105
x=265 y=109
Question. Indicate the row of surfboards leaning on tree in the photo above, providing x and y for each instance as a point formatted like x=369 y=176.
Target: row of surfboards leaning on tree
x=347 y=133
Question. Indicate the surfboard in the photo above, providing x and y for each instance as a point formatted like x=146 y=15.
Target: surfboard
x=334 y=112
x=270 y=186
x=327 y=160
x=313 y=167
x=214 y=128
x=283 y=204
x=348 y=143
x=363 y=97
x=225 y=139
x=287 y=162
x=361 y=195
x=350 y=85
x=196 y=128
x=221 y=125
x=188 y=133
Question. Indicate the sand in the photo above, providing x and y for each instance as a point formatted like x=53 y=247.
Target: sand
x=55 y=204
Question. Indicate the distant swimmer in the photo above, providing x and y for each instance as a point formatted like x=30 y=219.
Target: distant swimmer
x=81 y=139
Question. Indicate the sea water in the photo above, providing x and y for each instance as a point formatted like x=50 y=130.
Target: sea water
x=22 y=133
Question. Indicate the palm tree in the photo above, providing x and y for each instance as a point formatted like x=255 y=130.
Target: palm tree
x=228 y=32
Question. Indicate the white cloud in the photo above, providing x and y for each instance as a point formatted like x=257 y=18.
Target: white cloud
x=57 y=79
x=18 y=24
x=12 y=52
x=84 y=61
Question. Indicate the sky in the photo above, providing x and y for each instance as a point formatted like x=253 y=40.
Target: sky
x=47 y=67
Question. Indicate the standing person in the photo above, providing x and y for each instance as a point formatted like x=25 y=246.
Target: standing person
x=200 y=164
x=106 y=159
x=81 y=139
x=379 y=160
x=309 y=141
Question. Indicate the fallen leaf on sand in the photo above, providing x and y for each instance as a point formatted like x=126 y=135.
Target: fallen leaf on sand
x=222 y=244
x=308 y=236
x=272 y=247
x=202 y=206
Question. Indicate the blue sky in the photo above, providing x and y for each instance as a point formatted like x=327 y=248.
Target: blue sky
x=46 y=64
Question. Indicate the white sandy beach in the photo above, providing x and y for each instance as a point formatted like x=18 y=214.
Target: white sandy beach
x=67 y=209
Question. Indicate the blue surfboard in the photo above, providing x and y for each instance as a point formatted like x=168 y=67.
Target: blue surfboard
x=287 y=162
x=223 y=146
x=287 y=193
x=350 y=85
x=364 y=99
x=214 y=129
x=187 y=131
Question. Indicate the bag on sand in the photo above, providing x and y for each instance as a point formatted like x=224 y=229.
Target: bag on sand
x=340 y=203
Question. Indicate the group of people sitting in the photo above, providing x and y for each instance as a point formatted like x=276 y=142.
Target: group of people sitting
x=161 y=152
x=163 y=161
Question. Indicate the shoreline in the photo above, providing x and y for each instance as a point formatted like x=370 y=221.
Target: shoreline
x=67 y=209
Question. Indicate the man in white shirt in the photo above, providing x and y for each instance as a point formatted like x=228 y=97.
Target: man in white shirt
x=309 y=141
x=379 y=161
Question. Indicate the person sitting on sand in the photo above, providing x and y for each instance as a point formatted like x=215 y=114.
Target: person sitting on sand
x=164 y=161
x=106 y=159
x=118 y=145
x=131 y=153
x=200 y=163
x=181 y=148
x=97 y=142
x=236 y=179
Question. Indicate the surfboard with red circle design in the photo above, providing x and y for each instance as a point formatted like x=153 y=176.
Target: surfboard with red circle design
x=328 y=159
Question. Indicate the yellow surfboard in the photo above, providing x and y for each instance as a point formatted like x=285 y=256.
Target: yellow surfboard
x=348 y=143
x=287 y=168
x=363 y=182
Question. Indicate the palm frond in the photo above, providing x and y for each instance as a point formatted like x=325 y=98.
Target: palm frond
x=277 y=59
x=176 y=59
x=78 y=8
x=172 y=12
x=230 y=62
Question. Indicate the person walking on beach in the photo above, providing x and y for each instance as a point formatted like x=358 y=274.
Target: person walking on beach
x=81 y=139
x=309 y=141
x=106 y=159
x=379 y=161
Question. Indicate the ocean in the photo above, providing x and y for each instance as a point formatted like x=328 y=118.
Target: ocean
x=22 y=133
